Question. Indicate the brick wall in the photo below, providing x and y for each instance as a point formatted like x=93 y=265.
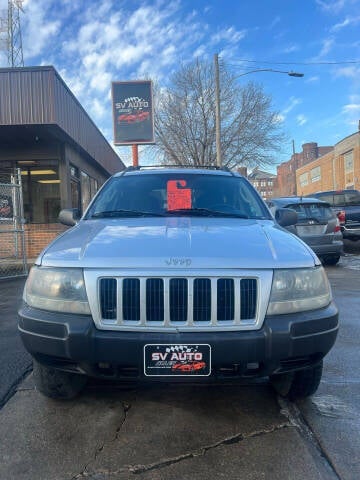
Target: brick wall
x=37 y=236
x=10 y=242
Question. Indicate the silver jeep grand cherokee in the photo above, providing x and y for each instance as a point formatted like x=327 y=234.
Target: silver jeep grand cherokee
x=177 y=275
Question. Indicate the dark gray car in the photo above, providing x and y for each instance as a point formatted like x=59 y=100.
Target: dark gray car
x=317 y=225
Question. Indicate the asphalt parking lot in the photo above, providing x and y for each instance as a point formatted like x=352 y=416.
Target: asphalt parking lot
x=185 y=432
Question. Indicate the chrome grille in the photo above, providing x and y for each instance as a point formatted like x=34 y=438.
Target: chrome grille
x=172 y=302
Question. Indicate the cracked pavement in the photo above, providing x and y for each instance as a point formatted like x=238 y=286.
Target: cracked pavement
x=157 y=432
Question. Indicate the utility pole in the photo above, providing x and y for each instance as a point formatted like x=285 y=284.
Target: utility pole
x=11 y=27
x=217 y=111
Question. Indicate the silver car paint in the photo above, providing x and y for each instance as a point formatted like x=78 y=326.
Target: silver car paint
x=146 y=243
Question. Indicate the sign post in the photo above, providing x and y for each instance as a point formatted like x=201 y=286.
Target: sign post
x=133 y=114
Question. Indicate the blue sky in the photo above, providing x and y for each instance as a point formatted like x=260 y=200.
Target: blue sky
x=92 y=43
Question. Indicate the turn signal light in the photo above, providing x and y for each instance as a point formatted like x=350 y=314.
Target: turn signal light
x=337 y=227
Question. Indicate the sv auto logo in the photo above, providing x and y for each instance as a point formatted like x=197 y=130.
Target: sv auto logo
x=178 y=262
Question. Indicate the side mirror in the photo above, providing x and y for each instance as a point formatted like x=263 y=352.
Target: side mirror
x=69 y=216
x=286 y=217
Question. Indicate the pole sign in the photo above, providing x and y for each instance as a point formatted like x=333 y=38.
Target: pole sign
x=133 y=112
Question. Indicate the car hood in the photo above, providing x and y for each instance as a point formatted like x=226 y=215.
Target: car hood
x=180 y=242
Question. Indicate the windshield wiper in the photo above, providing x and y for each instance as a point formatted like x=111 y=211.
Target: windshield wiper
x=125 y=213
x=205 y=212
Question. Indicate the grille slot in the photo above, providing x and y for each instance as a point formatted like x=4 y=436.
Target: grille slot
x=248 y=295
x=131 y=299
x=225 y=299
x=178 y=299
x=154 y=300
x=202 y=300
x=188 y=302
x=108 y=298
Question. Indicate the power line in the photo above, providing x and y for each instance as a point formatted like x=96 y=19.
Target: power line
x=347 y=62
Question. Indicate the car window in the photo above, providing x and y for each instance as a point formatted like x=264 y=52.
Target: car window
x=166 y=194
x=339 y=199
x=326 y=197
x=352 y=198
x=312 y=210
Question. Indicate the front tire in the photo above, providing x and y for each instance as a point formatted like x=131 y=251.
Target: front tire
x=299 y=384
x=57 y=384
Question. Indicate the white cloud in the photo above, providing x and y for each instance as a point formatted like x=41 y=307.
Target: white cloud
x=301 y=119
x=293 y=102
x=291 y=48
x=349 y=21
x=327 y=45
x=230 y=35
x=279 y=118
x=275 y=21
x=331 y=6
x=351 y=111
x=350 y=71
x=38 y=29
x=98 y=109
x=351 y=108
x=312 y=79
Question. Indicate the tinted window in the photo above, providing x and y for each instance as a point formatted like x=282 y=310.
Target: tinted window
x=166 y=194
x=339 y=199
x=352 y=198
x=312 y=210
x=326 y=197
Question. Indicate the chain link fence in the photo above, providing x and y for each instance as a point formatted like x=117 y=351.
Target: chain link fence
x=12 y=233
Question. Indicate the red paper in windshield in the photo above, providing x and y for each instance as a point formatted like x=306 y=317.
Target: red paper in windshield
x=178 y=197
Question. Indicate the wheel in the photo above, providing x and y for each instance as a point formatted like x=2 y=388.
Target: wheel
x=57 y=384
x=299 y=384
x=331 y=260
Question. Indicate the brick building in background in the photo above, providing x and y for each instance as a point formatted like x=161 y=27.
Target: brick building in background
x=286 y=172
x=337 y=170
x=264 y=182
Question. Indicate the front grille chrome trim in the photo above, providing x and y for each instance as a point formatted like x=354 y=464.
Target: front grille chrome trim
x=184 y=320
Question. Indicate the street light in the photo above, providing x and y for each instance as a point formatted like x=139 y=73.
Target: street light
x=217 y=100
x=291 y=73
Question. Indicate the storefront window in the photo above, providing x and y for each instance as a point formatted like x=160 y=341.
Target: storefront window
x=41 y=191
x=85 y=190
x=75 y=187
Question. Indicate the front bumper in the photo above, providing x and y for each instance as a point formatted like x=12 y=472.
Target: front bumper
x=73 y=343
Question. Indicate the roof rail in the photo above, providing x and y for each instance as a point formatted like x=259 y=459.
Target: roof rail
x=132 y=168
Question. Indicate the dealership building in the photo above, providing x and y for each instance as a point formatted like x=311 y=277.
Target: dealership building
x=59 y=154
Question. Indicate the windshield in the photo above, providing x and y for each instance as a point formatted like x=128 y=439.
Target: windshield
x=178 y=194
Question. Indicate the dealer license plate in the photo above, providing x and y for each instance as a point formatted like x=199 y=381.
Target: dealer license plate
x=190 y=360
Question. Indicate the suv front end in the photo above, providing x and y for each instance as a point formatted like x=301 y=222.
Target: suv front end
x=188 y=296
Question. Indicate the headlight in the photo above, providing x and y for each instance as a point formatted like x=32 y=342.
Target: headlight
x=298 y=290
x=57 y=289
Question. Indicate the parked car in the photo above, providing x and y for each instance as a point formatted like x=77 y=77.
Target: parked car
x=177 y=274
x=317 y=225
x=346 y=205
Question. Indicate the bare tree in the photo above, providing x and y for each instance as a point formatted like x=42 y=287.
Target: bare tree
x=185 y=120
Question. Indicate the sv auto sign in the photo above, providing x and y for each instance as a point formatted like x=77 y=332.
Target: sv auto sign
x=133 y=112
